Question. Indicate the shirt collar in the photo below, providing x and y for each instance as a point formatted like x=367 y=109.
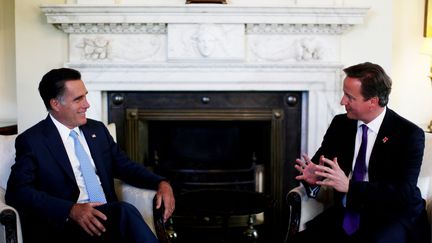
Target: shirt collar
x=375 y=124
x=62 y=129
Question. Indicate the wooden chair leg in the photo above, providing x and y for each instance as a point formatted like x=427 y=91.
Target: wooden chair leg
x=251 y=233
x=164 y=231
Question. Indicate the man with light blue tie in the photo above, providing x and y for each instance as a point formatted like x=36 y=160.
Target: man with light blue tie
x=63 y=180
x=371 y=158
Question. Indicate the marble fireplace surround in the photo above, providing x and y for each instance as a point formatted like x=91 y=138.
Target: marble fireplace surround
x=210 y=47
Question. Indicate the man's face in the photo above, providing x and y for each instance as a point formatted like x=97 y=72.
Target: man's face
x=356 y=106
x=70 y=109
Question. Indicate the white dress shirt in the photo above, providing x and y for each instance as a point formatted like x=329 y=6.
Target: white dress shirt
x=70 y=150
x=373 y=129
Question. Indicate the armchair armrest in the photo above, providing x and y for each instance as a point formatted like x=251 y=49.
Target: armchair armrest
x=303 y=208
x=145 y=201
x=141 y=198
x=429 y=211
x=10 y=226
x=294 y=199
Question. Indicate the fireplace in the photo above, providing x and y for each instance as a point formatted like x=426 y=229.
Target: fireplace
x=259 y=46
x=210 y=57
x=228 y=142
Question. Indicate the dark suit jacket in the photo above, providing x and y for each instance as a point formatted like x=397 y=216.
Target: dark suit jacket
x=42 y=185
x=394 y=167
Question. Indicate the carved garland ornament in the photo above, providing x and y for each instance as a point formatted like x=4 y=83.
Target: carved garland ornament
x=114 y=28
x=160 y=28
x=297 y=28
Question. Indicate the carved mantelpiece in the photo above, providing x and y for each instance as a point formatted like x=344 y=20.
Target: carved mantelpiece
x=210 y=47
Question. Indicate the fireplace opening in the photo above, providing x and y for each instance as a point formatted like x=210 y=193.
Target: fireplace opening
x=223 y=147
x=199 y=155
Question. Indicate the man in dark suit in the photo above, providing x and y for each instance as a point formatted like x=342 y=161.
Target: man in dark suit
x=385 y=201
x=48 y=184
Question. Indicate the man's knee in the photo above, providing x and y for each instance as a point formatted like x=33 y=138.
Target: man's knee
x=390 y=232
x=125 y=206
x=117 y=206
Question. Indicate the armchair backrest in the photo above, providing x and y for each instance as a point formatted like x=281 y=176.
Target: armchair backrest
x=112 y=130
x=7 y=157
x=425 y=178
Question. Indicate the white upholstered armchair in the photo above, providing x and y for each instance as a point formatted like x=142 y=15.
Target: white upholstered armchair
x=302 y=208
x=10 y=227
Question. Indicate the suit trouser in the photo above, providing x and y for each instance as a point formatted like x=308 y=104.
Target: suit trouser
x=327 y=227
x=124 y=224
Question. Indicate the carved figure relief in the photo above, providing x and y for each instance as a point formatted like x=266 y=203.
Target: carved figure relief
x=206 y=41
x=140 y=48
x=118 y=48
x=282 y=48
x=308 y=49
x=95 y=48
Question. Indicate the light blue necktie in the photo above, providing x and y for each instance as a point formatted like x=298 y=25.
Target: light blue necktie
x=94 y=189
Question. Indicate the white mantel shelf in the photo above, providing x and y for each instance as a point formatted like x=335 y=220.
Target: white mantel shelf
x=205 y=13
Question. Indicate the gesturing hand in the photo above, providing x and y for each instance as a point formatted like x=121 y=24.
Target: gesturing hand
x=333 y=175
x=89 y=218
x=307 y=170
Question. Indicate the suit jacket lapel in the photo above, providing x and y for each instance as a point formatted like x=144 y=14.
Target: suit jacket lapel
x=55 y=144
x=384 y=133
x=349 y=139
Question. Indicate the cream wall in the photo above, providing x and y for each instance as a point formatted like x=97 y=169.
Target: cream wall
x=371 y=41
x=412 y=92
x=40 y=47
x=8 y=107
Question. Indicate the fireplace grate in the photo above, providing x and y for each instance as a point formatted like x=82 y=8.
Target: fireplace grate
x=235 y=179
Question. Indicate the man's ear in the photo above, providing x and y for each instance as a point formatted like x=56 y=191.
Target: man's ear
x=374 y=101
x=54 y=103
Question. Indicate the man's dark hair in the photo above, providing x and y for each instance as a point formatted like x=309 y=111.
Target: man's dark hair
x=52 y=84
x=374 y=81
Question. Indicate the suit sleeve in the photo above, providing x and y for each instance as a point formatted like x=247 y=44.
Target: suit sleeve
x=127 y=170
x=23 y=187
x=331 y=143
x=325 y=149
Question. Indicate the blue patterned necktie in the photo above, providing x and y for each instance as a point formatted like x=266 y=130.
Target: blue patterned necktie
x=351 y=220
x=93 y=187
